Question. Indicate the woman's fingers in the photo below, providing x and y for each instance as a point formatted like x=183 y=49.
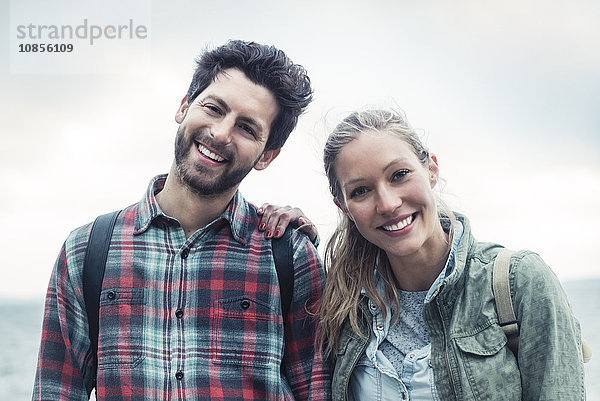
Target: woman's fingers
x=275 y=220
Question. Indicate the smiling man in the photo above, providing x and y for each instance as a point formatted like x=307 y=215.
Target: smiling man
x=190 y=306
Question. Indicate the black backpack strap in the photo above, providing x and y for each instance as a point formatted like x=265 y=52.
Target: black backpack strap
x=284 y=264
x=93 y=274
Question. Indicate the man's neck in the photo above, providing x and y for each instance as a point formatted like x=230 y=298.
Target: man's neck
x=191 y=210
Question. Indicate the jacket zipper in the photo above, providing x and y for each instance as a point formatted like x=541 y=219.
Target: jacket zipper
x=445 y=352
x=362 y=350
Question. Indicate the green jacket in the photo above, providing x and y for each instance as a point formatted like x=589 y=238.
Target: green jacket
x=469 y=355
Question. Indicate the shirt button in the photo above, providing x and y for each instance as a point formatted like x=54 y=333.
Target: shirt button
x=179 y=375
x=380 y=327
x=245 y=304
x=185 y=253
x=179 y=313
x=111 y=295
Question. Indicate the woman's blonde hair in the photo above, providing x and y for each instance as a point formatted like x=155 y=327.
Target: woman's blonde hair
x=350 y=259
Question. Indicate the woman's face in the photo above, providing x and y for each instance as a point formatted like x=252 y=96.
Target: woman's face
x=388 y=193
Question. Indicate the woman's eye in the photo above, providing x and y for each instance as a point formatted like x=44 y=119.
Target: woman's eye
x=358 y=192
x=398 y=175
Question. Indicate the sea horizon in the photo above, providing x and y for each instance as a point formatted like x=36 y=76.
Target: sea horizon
x=22 y=320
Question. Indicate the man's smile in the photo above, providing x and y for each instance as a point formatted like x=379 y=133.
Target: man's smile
x=209 y=154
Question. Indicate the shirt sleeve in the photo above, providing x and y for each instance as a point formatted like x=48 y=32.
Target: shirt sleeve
x=550 y=358
x=308 y=374
x=64 y=352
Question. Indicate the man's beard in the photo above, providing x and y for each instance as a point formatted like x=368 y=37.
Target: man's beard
x=194 y=175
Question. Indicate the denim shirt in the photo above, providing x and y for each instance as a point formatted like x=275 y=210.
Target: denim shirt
x=375 y=377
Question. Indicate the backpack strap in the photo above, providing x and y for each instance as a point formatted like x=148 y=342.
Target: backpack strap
x=284 y=264
x=504 y=305
x=93 y=273
x=283 y=256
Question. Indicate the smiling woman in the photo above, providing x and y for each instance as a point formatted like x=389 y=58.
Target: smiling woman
x=386 y=190
x=409 y=288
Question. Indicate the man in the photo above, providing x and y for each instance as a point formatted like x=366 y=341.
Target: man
x=190 y=304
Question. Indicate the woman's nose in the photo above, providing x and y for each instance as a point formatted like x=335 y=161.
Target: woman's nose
x=387 y=201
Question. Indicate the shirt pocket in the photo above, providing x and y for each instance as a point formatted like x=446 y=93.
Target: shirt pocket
x=121 y=334
x=489 y=366
x=246 y=332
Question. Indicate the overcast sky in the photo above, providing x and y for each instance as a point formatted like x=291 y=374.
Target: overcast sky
x=506 y=94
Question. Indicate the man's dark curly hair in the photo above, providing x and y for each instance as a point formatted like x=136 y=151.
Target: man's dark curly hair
x=266 y=66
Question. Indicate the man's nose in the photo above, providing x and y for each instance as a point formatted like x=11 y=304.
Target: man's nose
x=221 y=131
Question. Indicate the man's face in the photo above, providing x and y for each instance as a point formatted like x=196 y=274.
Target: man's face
x=223 y=133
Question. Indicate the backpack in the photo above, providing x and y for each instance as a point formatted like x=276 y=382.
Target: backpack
x=504 y=305
x=96 y=254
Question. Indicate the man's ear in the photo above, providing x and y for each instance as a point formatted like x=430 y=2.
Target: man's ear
x=182 y=110
x=434 y=171
x=266 y=158
x=343 y=208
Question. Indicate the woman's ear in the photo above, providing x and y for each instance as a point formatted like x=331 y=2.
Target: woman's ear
x=434 y=171
x=343 y=208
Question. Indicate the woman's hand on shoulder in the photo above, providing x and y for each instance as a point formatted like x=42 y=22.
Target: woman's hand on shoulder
x=275 y=219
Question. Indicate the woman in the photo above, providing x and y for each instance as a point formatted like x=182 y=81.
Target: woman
x=408 y=310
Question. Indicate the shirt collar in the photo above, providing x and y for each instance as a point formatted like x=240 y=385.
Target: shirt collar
x=148 y=208
x=236 y=213
x=457 y=235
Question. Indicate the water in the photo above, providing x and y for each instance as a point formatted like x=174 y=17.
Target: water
x=20 y=327
x=585 y=300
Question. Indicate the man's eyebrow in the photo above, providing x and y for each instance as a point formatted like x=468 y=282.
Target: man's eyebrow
x=249 y=120
x=218 y=100
x=222 y=103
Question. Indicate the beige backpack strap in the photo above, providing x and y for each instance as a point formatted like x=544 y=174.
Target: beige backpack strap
x=504 y=305
x=586 y=351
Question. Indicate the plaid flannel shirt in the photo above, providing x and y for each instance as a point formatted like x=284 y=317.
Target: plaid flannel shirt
x=195 y=318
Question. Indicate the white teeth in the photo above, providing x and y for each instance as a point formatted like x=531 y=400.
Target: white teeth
x=209 y=154
x=400 y=225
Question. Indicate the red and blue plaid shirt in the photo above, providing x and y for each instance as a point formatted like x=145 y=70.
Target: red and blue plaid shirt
x=184 y=318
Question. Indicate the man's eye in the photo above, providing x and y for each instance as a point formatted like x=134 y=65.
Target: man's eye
x=398 y=175
x=358 y=192
x=212 y=108
x=248 y=129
